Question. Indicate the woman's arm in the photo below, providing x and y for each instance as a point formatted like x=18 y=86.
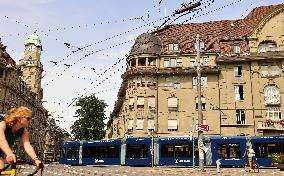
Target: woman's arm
x=28 y=147
x=3 y=142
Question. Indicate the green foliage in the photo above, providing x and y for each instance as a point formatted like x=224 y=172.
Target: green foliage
x=90 y=124
x=277 y=158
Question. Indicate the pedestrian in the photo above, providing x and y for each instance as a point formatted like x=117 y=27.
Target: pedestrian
x=13 y=127
x=218 y=164
x=250 y=155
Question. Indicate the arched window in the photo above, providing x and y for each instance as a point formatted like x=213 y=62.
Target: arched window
x=271 y=95
x=267 y=45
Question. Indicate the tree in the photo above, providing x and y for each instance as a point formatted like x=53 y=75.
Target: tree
x=90 y=124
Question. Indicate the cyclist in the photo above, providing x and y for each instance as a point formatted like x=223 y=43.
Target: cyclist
x=251 y=156
x=13 y=127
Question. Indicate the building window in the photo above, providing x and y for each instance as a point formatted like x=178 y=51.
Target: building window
x=204 y=82
x=203 y=103
x=238 y=71
x=151 y=62
x=172 y=125
x=172 y=82
x=171 y=62
x=264 y=70
x=241 y=118
x=267 y=46
x=192 y=61
x=205 y=61
x=151 y=125
x=179 y=62
x=275 y=70
x=239 y=92
x=172 y=103
x=173 y=47
x=274 y=114
x=131 y=103
x=271 y=95
x=140 y=102
x=151 y=103
x=139 y=124
x=130 y=125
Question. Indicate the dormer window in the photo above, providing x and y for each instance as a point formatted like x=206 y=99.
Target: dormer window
x=267 y=46
x=173 y=47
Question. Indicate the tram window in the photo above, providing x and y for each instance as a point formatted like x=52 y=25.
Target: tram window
x=178 y=150
x=231 y=150
x=264 y=150
x=136 y=151
x=71 y=152
x=101 y=151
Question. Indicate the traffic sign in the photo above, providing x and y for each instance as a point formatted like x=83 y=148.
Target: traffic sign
x=203 y=127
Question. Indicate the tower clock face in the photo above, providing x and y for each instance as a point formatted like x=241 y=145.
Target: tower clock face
x=31 y=48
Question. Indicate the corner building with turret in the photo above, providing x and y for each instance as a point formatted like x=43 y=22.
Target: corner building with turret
x=242 y=79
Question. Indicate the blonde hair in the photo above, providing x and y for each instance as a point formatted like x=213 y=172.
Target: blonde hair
x=16 y=114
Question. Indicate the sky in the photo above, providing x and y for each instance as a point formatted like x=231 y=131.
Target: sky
x=106 y=29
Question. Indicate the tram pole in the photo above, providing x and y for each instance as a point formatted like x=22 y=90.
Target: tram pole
x=200 y=118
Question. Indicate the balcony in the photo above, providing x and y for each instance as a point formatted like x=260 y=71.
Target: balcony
x=271 y=125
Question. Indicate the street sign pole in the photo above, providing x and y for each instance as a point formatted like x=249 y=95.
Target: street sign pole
x=200 y=118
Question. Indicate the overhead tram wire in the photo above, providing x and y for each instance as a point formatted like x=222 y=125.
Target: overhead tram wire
x=199 y=16
x=83 y=48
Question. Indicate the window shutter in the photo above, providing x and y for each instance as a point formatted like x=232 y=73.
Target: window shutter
x=172 y=124
x=194 y=81
x=139 y=125
x=151 y=102
x=204 y=82
x=140 y=101
x=131 y=101
x=237 y=93
x=236 y=73
x=172 y=102
x=130 y=124
x=151 y=125
x=166 y=62
x=203 y=100
x=173 y=62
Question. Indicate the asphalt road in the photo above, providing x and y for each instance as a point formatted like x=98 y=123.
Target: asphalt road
x=64 y=170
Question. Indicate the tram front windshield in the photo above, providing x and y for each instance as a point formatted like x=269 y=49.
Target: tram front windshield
x=137 y=151
x=71 y=152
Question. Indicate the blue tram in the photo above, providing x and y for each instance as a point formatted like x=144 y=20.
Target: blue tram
x=98 y=152
x=171 y=151
x=176 y=151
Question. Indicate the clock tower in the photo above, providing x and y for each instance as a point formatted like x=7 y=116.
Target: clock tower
x=31 y=66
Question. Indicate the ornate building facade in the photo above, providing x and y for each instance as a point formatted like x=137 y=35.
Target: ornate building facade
x=16 y=92
x=242 y=68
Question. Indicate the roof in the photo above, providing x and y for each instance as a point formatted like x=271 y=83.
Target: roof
x=213 y=32
x=146 y=43
x=5 y=58
x=33 y=39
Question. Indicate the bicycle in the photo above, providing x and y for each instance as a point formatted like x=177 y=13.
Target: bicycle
x=13 y=170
